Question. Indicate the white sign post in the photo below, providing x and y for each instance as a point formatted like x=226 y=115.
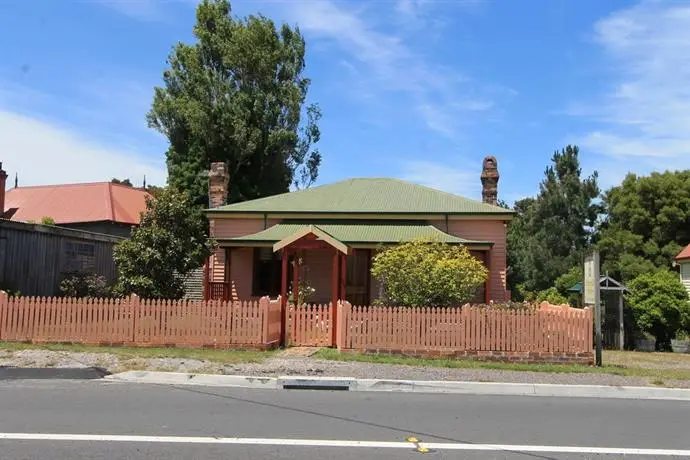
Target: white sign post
x=591 y=295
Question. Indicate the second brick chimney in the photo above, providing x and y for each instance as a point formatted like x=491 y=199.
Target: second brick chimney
x=3 y=181
x=490 y=178
x=218 y=184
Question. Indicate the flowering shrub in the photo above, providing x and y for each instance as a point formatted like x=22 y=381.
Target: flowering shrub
x=428 y=273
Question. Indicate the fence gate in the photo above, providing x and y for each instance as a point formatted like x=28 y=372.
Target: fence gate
x=309 y=325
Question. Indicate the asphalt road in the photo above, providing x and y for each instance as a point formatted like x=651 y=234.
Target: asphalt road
x=99 y=420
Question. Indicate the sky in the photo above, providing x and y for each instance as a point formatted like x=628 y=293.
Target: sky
x=420 y=90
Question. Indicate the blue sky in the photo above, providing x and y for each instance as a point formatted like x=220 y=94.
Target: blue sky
x=416 y=89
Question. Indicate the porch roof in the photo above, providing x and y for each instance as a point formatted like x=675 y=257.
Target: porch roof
x=354 y=234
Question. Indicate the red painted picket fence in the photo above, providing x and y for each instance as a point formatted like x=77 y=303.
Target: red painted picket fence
x=467 y=331
x=140 y=322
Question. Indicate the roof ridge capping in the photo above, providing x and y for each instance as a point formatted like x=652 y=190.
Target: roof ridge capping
x=367 y=195
x=454 y=195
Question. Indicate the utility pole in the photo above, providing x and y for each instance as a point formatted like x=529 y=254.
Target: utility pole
x=591 y=296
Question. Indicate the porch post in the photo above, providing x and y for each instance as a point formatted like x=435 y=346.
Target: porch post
x=334 y=296
x=343 y=276
x=206 y=277
x=334 y=277
x=283 y=296
x=295 y=279
x=284 y=277
x=487 y=283
x=227 y=288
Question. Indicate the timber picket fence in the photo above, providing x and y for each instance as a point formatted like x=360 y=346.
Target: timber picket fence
x=544 y=334
x=140 y=322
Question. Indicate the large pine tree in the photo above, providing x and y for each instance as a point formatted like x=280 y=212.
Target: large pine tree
x=551 y=231
x=238 y=95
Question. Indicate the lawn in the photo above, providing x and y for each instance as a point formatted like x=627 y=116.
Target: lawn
x=125 y=353
x=656 y=366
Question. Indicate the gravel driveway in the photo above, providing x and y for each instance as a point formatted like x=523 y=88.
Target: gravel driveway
x=293 y=362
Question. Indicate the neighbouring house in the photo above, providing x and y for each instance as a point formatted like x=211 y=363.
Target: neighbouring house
x=333 y=231
x=35 y=258
x=683 y=261
x=100 y=207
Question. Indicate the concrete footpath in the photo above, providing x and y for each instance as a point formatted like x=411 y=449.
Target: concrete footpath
x=414 y=386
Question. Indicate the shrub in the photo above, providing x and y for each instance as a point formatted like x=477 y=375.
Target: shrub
x=170 y=242
x=552 y=296
x=10 y=290
x=85 y=285
x=47 y=220
x=427 y=273
x=527 y=306
x=568 y=280
x=660 y=306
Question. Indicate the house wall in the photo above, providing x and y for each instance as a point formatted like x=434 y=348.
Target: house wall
x=479 y=296
x=484 y=230
x=242 y=259
x=231 y=228
x=241 y=268
x=685 y=275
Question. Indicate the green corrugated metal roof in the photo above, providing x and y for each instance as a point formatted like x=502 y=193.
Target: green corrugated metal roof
x=366 y=196
x=358 y=233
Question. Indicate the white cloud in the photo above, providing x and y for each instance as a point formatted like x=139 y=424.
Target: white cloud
x=92 y=131
x=443 y=177
x=144 y=10
x=412 y=11
x=646 y=115
x=390 y=64
x=42 y=152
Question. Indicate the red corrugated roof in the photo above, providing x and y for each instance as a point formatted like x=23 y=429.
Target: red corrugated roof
x=684 y=254
x=72 y=203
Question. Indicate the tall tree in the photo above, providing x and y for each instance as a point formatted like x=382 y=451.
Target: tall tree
x=238 y=95
x=647 y=223
x=169 y=243
x=517 y=235
x=549 y=233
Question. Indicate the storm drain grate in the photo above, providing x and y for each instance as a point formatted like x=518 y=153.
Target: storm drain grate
x=308 y=384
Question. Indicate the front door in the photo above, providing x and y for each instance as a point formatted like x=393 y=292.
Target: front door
x=358 y=276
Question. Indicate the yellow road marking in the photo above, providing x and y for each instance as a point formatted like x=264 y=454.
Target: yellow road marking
x=419 y=448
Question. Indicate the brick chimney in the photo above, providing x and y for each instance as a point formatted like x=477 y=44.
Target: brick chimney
x=3 y=181
x=490 y=178
x=218 y=184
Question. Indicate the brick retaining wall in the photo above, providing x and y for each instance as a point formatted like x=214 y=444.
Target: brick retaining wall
x=582 y=358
